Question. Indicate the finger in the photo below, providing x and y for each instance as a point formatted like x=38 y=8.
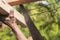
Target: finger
x=7 y=19
x=11 y=15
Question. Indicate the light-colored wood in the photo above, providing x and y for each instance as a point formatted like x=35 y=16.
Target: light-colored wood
x=5 y=8
x=16 y=2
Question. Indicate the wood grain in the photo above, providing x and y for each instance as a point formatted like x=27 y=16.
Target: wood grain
x=5 y=9
x=16 y=2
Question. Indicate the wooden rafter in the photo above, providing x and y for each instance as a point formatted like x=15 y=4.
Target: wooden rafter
x=16 y=2
x=5 y=9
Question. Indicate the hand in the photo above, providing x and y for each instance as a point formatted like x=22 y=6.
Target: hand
x=11 y=19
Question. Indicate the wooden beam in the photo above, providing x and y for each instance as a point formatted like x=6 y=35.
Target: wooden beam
x=5 y=8
x=16 y=2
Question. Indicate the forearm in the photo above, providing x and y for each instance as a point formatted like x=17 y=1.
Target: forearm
x=18 y=33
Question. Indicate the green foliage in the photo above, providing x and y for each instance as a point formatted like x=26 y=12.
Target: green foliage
x=7 y=34
x=46 y=19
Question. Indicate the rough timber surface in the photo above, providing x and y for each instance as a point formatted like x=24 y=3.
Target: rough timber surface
x=16 y=2
x=5 y=8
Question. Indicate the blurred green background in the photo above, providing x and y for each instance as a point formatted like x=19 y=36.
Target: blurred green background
x=46 y=18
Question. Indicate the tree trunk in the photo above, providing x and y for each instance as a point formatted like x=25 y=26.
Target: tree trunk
x=32 y=28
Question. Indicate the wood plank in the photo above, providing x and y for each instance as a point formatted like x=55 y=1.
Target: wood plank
x=16 y=2
x=5 y=8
